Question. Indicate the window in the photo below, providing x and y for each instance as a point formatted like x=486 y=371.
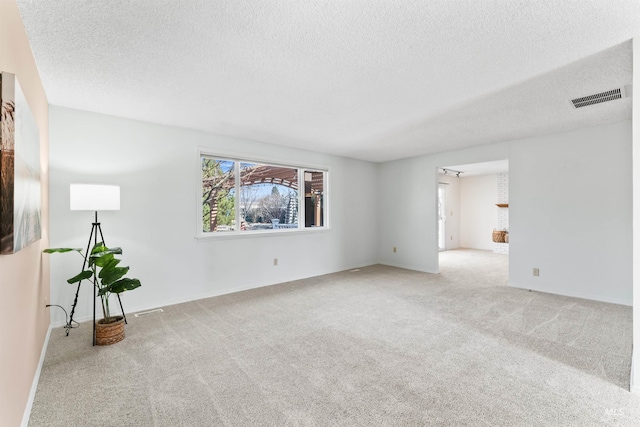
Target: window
x=243 y=196
x=313 y=198
x=218 y=195
x=268 y=197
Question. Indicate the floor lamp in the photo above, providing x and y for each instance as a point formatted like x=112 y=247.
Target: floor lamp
x=93 y=197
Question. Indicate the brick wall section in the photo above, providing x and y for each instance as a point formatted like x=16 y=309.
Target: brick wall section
x=503 y=213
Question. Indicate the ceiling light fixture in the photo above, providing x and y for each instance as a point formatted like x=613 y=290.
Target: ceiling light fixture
x=446 y=171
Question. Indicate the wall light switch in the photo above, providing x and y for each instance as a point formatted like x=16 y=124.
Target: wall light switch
x=536 y=272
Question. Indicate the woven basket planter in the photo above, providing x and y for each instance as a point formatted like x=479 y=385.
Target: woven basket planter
x=110 y=333
x=498 y=236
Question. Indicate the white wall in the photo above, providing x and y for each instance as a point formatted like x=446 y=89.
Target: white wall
x=452 y=206
x=565 y=218
x=635 y=358
x=157 y=169
x=478 y=211
x=570 y=211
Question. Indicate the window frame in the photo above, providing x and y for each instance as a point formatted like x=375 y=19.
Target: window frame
x=239 y=159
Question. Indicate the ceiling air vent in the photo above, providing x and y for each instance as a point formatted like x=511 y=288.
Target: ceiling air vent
x=610 y=95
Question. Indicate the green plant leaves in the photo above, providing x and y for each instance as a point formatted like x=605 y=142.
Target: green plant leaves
x=104 y=267
x=119 y=286
x=101 y=255
x=61 y=250
x=110 y=275
x=81 y=276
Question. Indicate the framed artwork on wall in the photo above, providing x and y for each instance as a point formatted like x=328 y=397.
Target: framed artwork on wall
x=20 y=192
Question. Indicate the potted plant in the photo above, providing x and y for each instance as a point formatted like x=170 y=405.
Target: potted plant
x=108 y=278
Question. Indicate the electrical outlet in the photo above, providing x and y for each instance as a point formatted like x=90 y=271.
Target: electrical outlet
x=451 y=237
x=394 y=250
x=536 y=272
x=275 y=261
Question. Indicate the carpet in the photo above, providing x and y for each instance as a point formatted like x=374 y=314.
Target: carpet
x=377 y=346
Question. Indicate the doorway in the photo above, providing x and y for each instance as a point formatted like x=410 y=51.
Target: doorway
x=467 y=211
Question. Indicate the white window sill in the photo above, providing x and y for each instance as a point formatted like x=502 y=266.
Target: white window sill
x=254 y=234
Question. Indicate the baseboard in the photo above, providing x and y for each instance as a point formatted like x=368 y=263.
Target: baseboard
x=36 y=379
x=589 y=297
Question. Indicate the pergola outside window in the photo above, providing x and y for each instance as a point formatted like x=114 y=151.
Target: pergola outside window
x=242 y=196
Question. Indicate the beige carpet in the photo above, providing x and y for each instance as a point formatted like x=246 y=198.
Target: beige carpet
x=379 y=346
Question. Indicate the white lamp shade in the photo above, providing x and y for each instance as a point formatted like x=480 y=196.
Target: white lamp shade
x=94 y=197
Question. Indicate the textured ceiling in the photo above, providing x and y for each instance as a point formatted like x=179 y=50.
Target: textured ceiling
x=375 y=80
